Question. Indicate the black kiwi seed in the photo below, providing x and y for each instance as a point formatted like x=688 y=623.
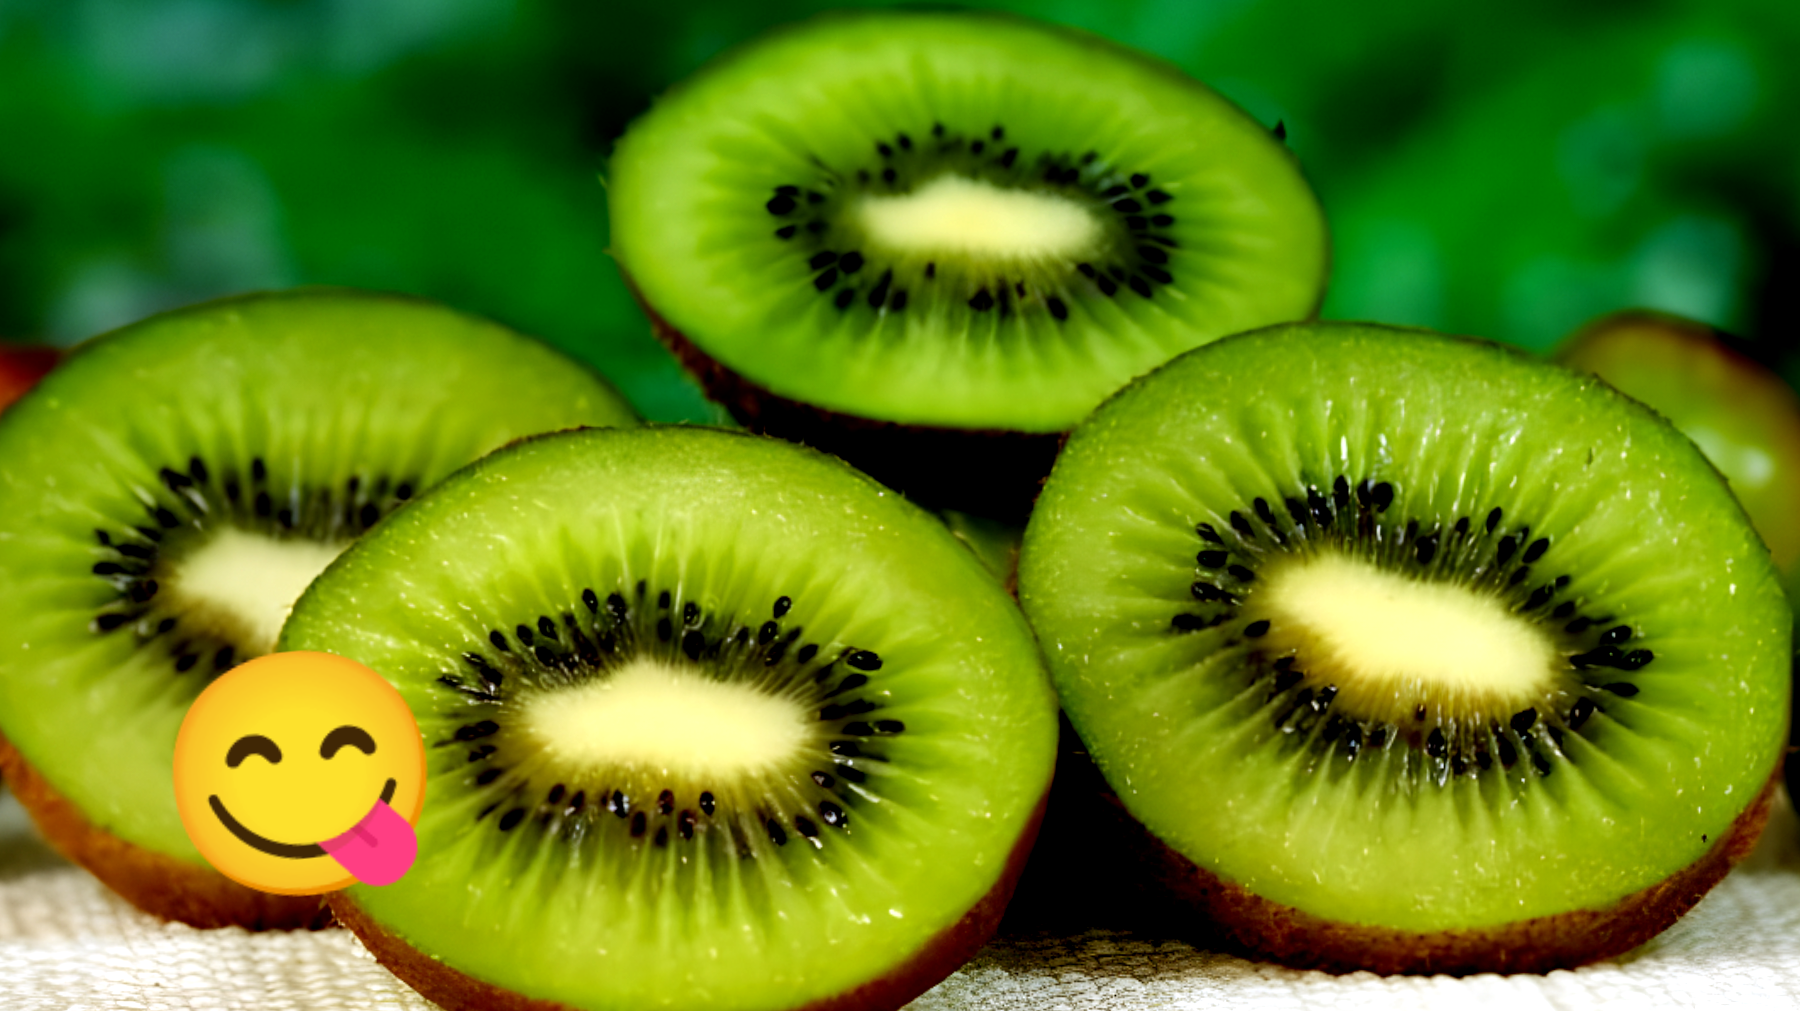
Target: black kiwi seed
x=476 y=731
x=1579 y=713
x=1461 y=749
x=524 y=663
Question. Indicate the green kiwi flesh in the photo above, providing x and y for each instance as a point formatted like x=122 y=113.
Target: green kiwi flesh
x=171 y=487
x=1745 y=418
x=1409 y=633
x=712 y=721
x=952 y=222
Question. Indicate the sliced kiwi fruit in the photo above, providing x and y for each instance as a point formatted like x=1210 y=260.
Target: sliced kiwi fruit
x=166 y=494
x=930 y=242
x=1743 y=416
x=1412 y=653
x=712 y=720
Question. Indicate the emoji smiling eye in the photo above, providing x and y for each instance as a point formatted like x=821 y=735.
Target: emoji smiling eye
x=252 y=744
x=346 y=735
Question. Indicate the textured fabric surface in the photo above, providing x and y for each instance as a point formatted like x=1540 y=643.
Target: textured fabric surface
x=67 y=943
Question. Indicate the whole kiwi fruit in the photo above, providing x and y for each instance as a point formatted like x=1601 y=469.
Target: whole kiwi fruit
x=1411 y=653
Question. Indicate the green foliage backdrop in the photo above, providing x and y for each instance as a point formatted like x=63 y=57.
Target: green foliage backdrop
x=1500 y=169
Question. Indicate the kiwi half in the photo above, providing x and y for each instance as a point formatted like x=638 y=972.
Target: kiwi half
x=712 y=721
x=1744 y=417
x=1414 y=653
x=931 y=242
x=166 y=494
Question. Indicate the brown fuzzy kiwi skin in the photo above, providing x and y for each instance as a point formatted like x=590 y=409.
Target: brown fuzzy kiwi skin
x=988 y=472
x=157 y=884
x=1261 y=929
x=941 y=956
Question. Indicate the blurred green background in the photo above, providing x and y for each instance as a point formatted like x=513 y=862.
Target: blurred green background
x=1500 y=169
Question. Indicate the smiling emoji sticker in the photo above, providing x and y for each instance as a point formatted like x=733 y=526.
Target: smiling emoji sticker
x=299 y=773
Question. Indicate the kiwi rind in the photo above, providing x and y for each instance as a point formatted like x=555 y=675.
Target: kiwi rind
x=1168 y=884
x=1088 y=578
x=991 y=472
x=91 y=488
x=453 y=990
x=695 y=229
x=707 y=516
x=172 y=888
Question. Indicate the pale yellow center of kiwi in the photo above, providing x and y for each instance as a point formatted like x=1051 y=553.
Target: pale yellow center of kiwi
x=954 y=214
x=656 y=717
x=242 y=585
x=1391 y=642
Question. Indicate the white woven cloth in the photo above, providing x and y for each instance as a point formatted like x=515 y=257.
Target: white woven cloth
x=66 y=944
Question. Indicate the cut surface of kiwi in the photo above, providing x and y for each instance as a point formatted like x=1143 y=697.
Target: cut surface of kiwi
x=952 y=221
x=712 y=720
x=1413 y=634
x=1743 y=416
x=169 y=490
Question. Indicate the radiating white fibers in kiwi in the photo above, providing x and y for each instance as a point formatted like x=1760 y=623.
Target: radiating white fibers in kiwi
x=1445 y=658
x=172 y=488
x=713 y=721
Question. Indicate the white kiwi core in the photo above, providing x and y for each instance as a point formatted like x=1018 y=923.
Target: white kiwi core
x=655 y=716
x=1391 y=642
x=953 y=214
x=244 y=584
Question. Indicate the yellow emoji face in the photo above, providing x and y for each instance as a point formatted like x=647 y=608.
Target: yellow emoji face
x=299 y=773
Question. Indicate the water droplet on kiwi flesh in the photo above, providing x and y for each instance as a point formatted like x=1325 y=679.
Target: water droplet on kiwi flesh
x=853 y=273
x=600 y=634
x=192 y=501
x=1480 y=552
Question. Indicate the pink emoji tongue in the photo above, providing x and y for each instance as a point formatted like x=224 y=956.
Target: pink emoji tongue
x=379 y=850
